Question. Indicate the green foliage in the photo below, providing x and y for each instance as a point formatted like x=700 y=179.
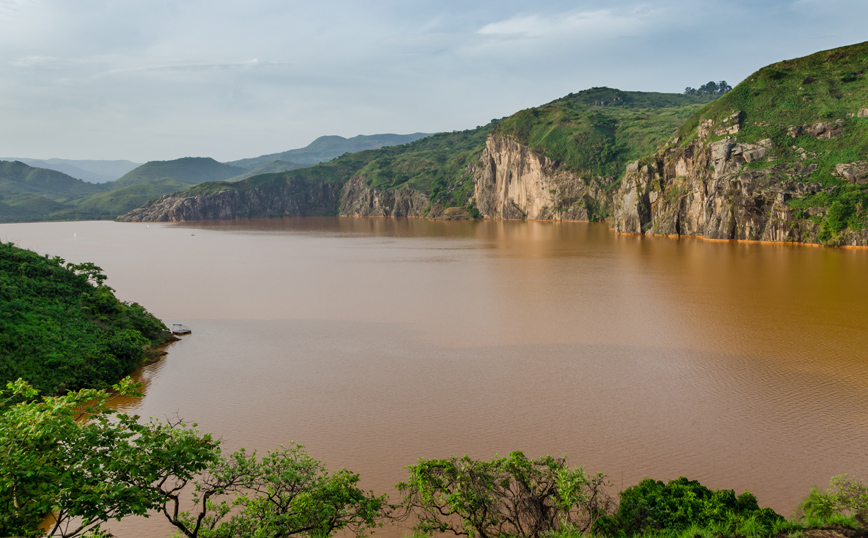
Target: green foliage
x=74 y=457
x=709 y=88
x=845 y=498
x=513 y=496
x=652 y=505
x=62 y=328
x=285 y=493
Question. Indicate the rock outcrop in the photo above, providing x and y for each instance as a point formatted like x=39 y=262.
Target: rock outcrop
x=703 y=188
x=513 y=182
x=359 y=199
x=282 y=198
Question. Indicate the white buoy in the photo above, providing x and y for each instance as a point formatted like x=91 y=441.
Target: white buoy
x=147 y=226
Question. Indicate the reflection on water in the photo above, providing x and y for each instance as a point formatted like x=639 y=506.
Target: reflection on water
x=378 y=341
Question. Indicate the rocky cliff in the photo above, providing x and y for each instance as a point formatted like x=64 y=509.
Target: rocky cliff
x=720 y=188
x=280 y=198
x=358 y=199
x=513 y=182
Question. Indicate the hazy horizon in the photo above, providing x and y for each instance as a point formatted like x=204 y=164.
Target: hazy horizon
x=159 y=81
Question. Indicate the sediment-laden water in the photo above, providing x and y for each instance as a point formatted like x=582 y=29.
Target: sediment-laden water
x=375 y=342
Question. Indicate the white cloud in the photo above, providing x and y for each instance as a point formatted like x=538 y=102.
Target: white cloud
x=602 y=23
x=34 y=61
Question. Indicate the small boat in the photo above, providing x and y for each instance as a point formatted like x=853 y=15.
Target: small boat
x=177 y=328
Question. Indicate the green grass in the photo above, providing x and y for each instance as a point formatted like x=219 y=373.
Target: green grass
x=599 y=140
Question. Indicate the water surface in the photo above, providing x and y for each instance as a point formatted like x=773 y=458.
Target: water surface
x=375 y=342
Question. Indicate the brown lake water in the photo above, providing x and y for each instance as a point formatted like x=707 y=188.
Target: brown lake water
x=375 y=342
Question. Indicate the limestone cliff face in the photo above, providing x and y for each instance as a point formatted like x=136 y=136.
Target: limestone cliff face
x=513 y=182
x=703 y=188
x=360 y=200
x=285 y=198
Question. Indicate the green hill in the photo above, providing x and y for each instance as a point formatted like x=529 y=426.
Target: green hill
x=108 y=205
x=188 y=170
x=62 y=329
x=598 y=131
x=326 y=148
x=784 y=154
x=17 y=177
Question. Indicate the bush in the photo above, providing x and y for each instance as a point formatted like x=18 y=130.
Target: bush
x=652 y=505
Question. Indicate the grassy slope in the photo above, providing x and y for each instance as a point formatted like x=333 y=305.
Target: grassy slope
x=19 y=178
x=598 y=141
x=326 y=148
x=119 y=201
x=188 y=170
x=274 y=167
x=822 y=87
x=58 y=331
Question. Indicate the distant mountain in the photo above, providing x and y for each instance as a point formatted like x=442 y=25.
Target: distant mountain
x=326 y=148
x=19 y=178
x=87 y=170
x=188 y=170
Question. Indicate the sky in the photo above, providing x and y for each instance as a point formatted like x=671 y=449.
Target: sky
x=163 y=79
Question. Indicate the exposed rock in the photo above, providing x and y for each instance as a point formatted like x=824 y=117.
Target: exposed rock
x=358 y=199
x=863 y=113
x=438 y=212
x=283 y=198
x=703 y=189
x=856 y=172
x=513 y=182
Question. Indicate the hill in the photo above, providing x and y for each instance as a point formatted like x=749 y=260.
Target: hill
x=187 y=170
x=91 y=171
x=592 y=132
x=19 y=178
x=326 y=148
x=782 y=157
x=62 y=329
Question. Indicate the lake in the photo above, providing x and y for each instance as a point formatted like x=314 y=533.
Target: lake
x=375 y=342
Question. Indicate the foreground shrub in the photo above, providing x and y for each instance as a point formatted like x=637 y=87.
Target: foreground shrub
x=845 y=501
x=513 y=496
x=681 y=504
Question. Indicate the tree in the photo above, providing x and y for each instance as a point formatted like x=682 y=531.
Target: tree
x=512 y=496
x=286 y=493
x=652 y=505
x=77 y=459
x=74 y=457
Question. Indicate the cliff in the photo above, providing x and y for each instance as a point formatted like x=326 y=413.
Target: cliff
x=359 y=199
x=283 y=197
x=780 y=158
x=513 y=182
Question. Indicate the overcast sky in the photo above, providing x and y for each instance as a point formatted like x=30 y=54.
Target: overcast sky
x=161 y=79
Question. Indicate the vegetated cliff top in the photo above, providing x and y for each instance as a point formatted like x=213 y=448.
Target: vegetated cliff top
x=189 y=170
x=813 y=112
x=61 y=329
x=598 y=131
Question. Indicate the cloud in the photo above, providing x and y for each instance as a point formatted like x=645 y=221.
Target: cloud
x=602 y=23
x=30 y=62
x=189 y=67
